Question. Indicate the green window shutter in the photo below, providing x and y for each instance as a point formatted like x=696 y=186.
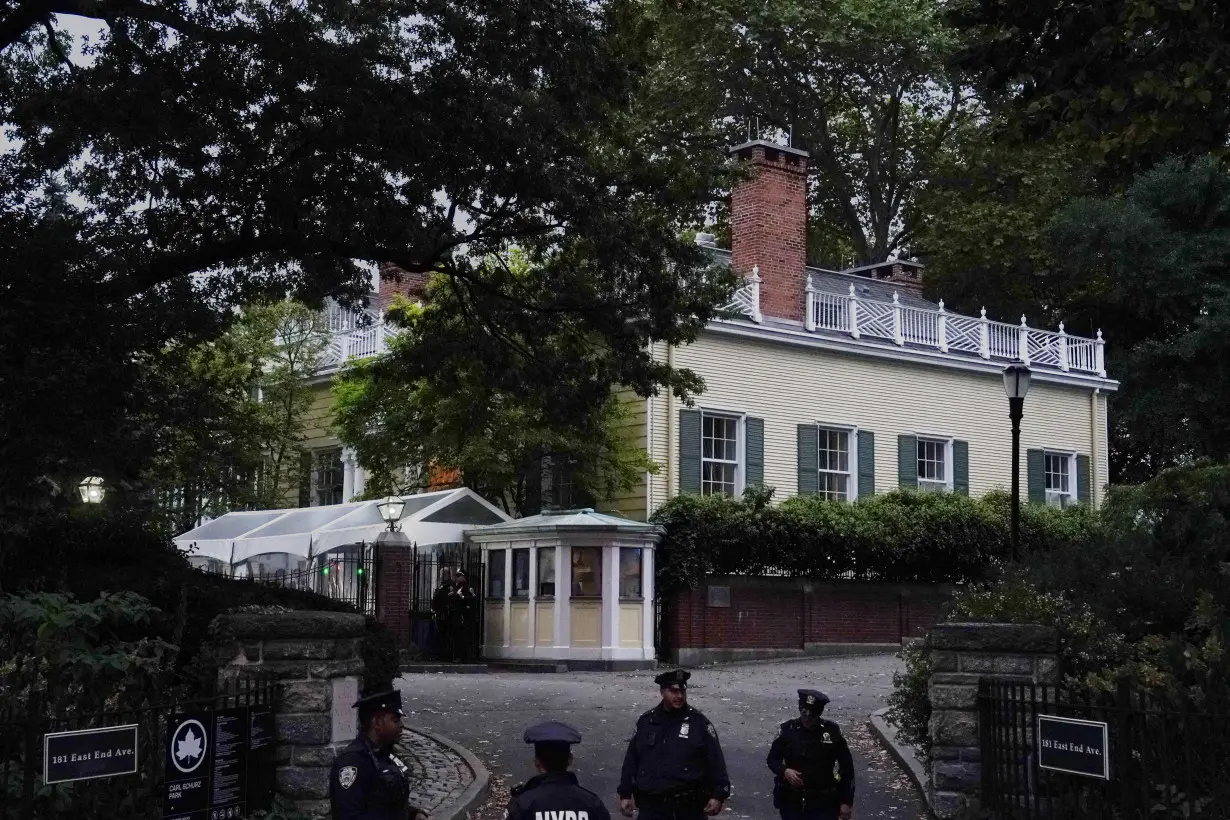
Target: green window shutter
x=907 y=461
x=866 y=464
x=809 y=459
x=1083 y=480
x=960 y=467
x=689 y=451
x=754 y=440
x=1035 y=476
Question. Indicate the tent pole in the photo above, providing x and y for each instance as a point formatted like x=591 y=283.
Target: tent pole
x=232 y=564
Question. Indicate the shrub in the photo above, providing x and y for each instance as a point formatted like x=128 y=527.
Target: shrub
x=898 y=536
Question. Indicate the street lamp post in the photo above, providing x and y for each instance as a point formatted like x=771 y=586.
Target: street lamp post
x=1016 y=385
x=391 y=509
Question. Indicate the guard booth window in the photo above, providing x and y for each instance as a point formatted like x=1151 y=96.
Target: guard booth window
x=586 y=572
x=495 y=574
x=546 y=572
x=521 y=573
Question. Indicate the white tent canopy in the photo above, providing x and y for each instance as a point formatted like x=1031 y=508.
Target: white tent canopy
x=428 y=518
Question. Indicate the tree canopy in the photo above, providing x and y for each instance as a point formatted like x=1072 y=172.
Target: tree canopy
x=193 y=158
x=862 y=85
x=499 y=403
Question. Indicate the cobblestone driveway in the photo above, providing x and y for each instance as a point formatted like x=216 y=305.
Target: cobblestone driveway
x=487 y=713
x=438 y=775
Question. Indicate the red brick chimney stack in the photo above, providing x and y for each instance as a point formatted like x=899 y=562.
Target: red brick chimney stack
x=769 y=226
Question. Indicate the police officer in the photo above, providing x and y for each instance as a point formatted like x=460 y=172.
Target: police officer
x=368 y=781
x=674 y=768
x=554 y=789
x=803 y=756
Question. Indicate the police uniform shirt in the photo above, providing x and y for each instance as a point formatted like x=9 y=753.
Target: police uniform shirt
x=672 y=753
x=814 y=753
x=555 y=796
x=369 y=784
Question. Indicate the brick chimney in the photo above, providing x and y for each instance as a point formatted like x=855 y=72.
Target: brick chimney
x=768 y=215
x=394 y=282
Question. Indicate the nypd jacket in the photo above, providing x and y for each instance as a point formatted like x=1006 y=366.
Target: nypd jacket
x=814 y=753
x=367 y=783
x=673 y=753
x=555 y=796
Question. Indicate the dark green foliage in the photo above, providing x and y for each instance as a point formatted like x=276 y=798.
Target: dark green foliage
x=1147 y=600
x=380 y=659
x=1133 y=80
x=207 y=155
x=899 y=537
x=1152 y=269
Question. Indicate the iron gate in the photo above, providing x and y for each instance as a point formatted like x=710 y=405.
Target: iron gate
x=1164 y=761
x=457 y=625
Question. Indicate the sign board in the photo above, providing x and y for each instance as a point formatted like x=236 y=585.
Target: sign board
x=260 y=761
x=187 y=760
x=228 y=794
x=1073 y=746
x=87 y=754
x=345 y=724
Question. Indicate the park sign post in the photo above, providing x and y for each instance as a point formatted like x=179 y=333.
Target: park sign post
x=1073 y=746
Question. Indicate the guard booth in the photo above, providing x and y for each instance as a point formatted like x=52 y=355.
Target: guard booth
x=574 y=587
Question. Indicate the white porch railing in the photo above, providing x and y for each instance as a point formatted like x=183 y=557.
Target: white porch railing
x=359 y=343
x=747 y=298
x=952 y=332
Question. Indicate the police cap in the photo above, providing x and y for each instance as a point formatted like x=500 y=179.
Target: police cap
x=552 y=731
x=382 y=702
x=812 y=699
x=676 y=677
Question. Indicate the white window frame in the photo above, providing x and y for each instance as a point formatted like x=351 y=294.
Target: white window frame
x=740 y=420
x=851 y=432
x=1058 y=498
x=927 y=484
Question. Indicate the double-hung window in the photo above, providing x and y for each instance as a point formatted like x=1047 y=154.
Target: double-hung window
x=720 y=463
x=835 y=464
x=934 y=465
x=1060 y=482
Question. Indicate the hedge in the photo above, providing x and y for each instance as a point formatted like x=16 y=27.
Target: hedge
x=895 y=537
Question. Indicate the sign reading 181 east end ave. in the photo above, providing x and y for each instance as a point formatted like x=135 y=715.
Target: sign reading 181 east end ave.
x=1073 y=746
x=89 y=753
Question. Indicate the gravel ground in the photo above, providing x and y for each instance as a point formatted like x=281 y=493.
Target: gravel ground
x=746 y=702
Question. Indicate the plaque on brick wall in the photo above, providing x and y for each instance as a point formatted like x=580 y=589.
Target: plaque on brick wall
x=719 y=596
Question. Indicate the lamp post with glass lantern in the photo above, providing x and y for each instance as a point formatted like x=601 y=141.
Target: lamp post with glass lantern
x=1016 y=385
x=391 y=509
x=91 y=490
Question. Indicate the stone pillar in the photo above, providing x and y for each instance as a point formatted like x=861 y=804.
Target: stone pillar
x=317 y=657
x=961 y=656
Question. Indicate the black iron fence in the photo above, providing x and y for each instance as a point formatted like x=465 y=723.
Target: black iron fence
x=347 y=577
x=445 y=627
x=1160 y=760
x=60 y=767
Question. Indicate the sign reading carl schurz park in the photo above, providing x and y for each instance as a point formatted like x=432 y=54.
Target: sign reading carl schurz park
x=1073 y=746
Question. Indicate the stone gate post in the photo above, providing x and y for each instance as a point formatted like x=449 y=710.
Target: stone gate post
x=317 y=657
x=962 y=655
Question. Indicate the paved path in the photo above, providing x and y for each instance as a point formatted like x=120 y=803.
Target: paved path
x=438 y=775
x=487 y=713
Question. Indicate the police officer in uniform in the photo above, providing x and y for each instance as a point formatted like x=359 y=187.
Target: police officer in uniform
x=674 y=768
x=554 y=789
x=368 y=781
x=803 y=757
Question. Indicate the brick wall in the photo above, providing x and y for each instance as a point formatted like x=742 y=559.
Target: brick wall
x=769 y=617
x=769 y=226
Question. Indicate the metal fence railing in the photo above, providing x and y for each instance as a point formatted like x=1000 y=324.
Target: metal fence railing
x=237 y=768
x=1161 y=760
x=345 y=577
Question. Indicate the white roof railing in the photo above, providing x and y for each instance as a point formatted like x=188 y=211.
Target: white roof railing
x=952 y=332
